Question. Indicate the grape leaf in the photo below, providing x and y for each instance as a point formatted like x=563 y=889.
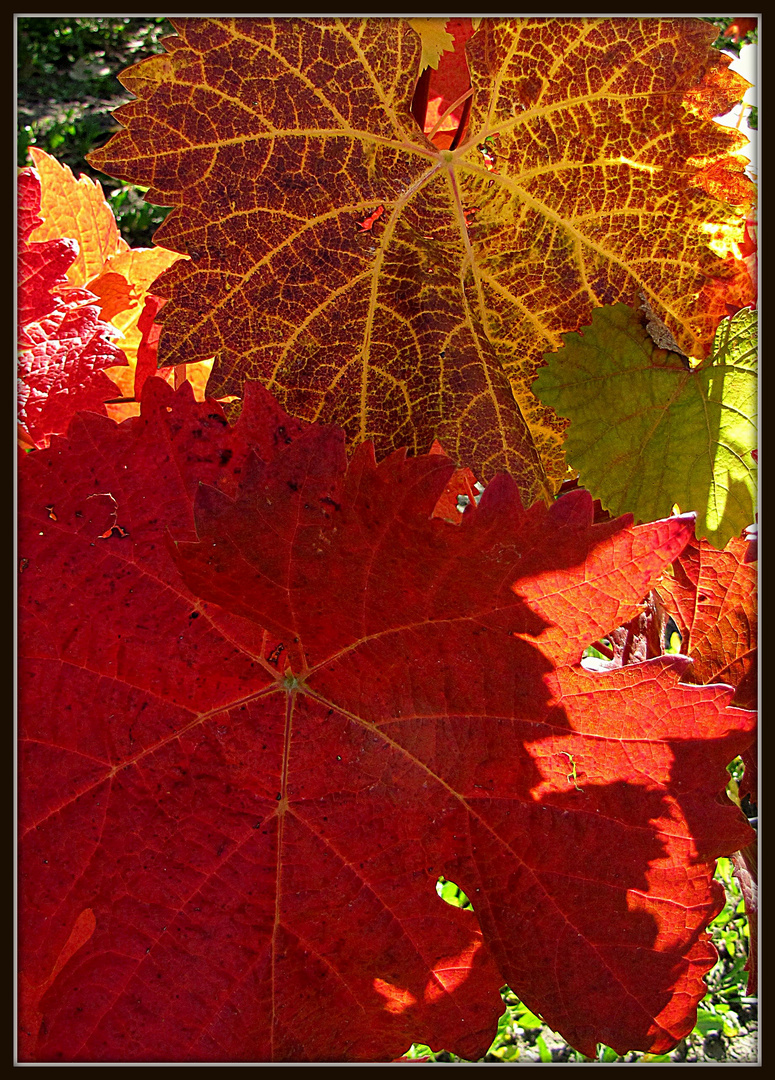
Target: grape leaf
x=64 y=346
x=253 y=775
x=117 y=277
x=441 y=103
x=374 y=280
x=76 y=209
x=435 y=38
x=712 y=596
x=648 y=431
x=41 y=265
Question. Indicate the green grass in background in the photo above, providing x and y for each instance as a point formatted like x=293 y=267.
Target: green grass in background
x=67 y=89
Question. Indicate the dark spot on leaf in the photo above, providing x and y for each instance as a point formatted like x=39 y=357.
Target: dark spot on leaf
x=194 y=615
x=226 y=456
x=274 y=655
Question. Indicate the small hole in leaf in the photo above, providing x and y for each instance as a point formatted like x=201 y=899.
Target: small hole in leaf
x=452 y=894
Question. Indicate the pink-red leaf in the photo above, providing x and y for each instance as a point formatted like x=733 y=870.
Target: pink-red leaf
x=268 y=699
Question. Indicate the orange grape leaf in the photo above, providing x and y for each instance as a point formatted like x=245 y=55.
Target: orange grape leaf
x=579 y=181
x=114 y=292
x=117 y=275
x=76 y=209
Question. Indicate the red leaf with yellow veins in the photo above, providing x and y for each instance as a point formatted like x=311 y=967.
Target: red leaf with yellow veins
x=268 y=699
x=578 y=182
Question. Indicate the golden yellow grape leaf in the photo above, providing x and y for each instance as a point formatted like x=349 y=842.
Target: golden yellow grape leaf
x=76 y=209
x=435 y=40
x=374 y=281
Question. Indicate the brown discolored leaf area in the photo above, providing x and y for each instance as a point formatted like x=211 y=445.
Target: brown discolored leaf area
x=590 y=168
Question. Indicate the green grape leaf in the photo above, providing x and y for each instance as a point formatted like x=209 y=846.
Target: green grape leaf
x=648 y=430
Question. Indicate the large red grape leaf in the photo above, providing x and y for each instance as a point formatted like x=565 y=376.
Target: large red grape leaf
x=372 y=279
x=254 y=793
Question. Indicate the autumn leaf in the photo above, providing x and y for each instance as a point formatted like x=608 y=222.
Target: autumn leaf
x=648 y=431
x=435 y=38
x=76 y=209
x=41 y=265
x=64 y=346
x=442 y=99
x=253 y=774
x=118 y=277
x=712 y=595
x=583 y=176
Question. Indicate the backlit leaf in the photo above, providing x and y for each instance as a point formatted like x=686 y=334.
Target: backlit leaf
x=268 y=699
x=648 y=431
x=76 y=209
x=372 y=279
x=435 y=40
x=64 y=345
x=712 y=595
